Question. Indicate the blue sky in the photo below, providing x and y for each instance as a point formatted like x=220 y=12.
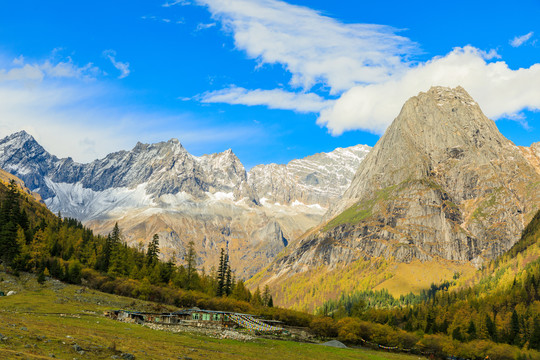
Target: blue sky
x=272 y=80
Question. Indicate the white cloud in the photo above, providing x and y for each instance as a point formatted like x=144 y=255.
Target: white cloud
x=202 y=26
x=21 y=70
x=366 y=65
x=176 y=2
x=273 y=99
x=72 y=116
x=520 y=40
x=314 y=48
x=123 y=67
x=490 y=55
x=499 y=90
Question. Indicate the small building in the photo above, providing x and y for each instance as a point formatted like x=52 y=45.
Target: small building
x=197 y=317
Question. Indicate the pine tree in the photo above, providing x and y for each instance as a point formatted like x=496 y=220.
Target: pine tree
x=256 y=299
x=513 y=335
x=105 y=258
x=491 y=328
x=228 y=278
x=221 y=274
x=534 y=341
x=153 y=251
x=266 y=296
x=118 y=262
x=115 y=234
x=471 y=331
x=190 y=266
x=240 y=292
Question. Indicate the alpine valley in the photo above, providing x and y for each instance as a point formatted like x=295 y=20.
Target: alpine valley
x=441 y=193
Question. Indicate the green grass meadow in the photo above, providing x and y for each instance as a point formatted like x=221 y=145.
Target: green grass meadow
x=61 y=321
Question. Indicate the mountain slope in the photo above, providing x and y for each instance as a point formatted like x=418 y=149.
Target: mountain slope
x=442 y=184
x=210 y=199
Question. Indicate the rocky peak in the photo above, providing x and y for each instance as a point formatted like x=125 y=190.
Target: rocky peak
x=20 y=136
x=21 y=155
x=442 y=182
x=21 y=142
x=440 y=126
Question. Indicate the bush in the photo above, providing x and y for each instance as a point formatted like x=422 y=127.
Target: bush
x=433 y=344
x=350 y=330
x=324 y=326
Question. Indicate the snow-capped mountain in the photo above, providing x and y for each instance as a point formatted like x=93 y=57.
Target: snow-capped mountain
x=315 y=180
x=211 y=199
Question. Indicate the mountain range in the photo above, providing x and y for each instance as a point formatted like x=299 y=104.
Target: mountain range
x=210 y=199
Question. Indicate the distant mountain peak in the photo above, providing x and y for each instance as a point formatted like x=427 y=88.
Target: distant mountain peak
x=20 y=137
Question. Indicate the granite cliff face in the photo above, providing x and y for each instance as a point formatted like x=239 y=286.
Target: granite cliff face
x=210 y=199
x=442 y=183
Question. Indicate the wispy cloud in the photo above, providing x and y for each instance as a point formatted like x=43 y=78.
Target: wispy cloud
x=123 y=67
x=520 y=40
x=273 y=99
x=37 y=71
x=366 y=65
x=203 y=26
x=176 y=2
x=314 y=48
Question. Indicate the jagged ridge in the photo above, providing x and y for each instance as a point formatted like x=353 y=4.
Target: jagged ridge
x=161 y=188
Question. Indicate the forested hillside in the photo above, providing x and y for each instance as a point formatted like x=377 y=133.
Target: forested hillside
x=32 y=239
x=501 y=304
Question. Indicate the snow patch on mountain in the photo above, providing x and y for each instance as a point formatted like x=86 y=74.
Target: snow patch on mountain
x=74 y=200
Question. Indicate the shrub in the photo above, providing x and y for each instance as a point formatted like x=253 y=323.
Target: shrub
x=324 y=326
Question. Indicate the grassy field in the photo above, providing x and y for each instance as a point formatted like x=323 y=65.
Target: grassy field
x=66 y=322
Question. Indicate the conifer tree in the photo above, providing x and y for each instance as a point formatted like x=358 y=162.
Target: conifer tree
x=266 y=296
x=221 y=274
x=534 y=341
x=240 y=292
x=153 y=251
x=491 y=328
x=256 y=299
x=191 y=271
x=118 y=253
x=471 y=331
x=513 y=335
x=115 y=234
x=228 y=278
